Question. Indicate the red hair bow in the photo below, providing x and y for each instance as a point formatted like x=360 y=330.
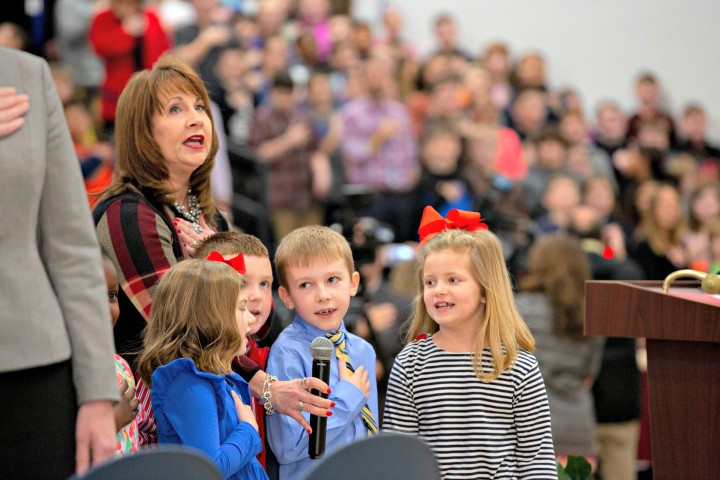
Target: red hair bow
x=433 y=223
x=237 y=262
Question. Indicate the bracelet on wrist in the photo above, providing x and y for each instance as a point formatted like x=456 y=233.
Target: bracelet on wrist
x=266 y=395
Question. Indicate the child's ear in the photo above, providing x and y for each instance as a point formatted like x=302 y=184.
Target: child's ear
x=285 y=297
x=354 y=283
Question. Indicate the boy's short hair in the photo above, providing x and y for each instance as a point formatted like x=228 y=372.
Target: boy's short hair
x=445 y=79
x=443 y=18
x=551 y=134
x=692 y=109
x=646 y=77
x=231 y=243
x=283 y=81
x=305 y=244
x=496 y=47
x=438 y=128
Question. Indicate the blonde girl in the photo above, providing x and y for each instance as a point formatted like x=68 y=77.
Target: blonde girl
x=467 y=382
x=197 y=325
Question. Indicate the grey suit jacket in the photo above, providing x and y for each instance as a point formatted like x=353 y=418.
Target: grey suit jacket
x=53 y=295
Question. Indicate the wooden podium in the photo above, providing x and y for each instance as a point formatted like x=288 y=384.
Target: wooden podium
x=682 y=328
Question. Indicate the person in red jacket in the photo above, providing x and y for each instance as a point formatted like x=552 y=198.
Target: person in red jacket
x=128 y=38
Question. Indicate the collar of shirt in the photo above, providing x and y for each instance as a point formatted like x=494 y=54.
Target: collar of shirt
x=311 y=332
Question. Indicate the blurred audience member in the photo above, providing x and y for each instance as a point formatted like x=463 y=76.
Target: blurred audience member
x=446 y=37
x=649 y=97
x=530 y=73
x=72 y=24
x=496 y=59
x=96 y=157
x=551 y=151
x=529 y=114
x=703 y=209
x=660 y=250
x=551 y=301
x=314 y=18
x=128 y=37
x=282 y=136
x=611 y=128
x=13 y=36
x=441 y=184
x=379 y=151
x=562 y=195
x=393 y=28
x=694 y=139
x=199 y=44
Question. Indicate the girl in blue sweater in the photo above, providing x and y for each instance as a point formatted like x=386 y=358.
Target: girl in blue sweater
x=198 y=323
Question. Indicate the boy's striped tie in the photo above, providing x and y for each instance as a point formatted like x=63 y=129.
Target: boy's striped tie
x=338 y=340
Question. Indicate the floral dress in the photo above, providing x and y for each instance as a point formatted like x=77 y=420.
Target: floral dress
x=127 y=437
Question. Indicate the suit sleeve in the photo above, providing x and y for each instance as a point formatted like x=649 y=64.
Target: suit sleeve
x=70 y=253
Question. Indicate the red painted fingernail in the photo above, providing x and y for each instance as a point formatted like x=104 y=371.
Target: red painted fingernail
x=332 y=404
x=329 y=413
x=184 y=245
x=308 y=430
x=179 y=231
x=176 y=221
x=329 y=390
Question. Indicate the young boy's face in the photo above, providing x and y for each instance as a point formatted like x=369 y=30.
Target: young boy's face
x=258 y=286
x=111 y=279
x=320 y=292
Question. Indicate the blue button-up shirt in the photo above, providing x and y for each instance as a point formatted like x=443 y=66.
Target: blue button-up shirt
x=290 y=359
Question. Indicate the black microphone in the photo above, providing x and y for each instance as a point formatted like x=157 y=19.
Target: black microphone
x=321 y=350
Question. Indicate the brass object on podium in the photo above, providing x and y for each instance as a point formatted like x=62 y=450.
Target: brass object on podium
x=710 y=282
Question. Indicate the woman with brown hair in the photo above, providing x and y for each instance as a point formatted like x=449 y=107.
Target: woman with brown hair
x=660 y=232
x=159 y=201
x=552 y=303
x=159 y=205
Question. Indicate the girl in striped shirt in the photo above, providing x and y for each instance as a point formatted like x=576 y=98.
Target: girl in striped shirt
x=467 y=382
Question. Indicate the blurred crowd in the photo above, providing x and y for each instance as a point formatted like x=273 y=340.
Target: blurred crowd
x=326 y=119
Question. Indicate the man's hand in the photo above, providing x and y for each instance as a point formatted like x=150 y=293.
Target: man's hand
x=94 y=434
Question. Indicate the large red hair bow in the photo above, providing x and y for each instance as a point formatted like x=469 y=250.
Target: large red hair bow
x=237 y=262
x=433 y=223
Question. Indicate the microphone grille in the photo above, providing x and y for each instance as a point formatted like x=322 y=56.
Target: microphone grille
x=321 y=349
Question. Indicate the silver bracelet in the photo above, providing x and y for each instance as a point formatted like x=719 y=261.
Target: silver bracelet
x=266 y=395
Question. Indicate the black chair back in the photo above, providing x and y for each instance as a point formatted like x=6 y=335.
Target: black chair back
x=388 y=456
x=162 y=463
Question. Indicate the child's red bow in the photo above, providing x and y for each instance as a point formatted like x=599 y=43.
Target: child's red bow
x=433 y=223
x=237 y=262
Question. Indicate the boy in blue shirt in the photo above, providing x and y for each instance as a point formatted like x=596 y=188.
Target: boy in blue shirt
x=317 y=278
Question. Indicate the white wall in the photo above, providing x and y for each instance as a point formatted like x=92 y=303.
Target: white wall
x=597 y=46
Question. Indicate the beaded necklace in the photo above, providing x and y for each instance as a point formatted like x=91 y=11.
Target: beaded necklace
x=193 y=212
